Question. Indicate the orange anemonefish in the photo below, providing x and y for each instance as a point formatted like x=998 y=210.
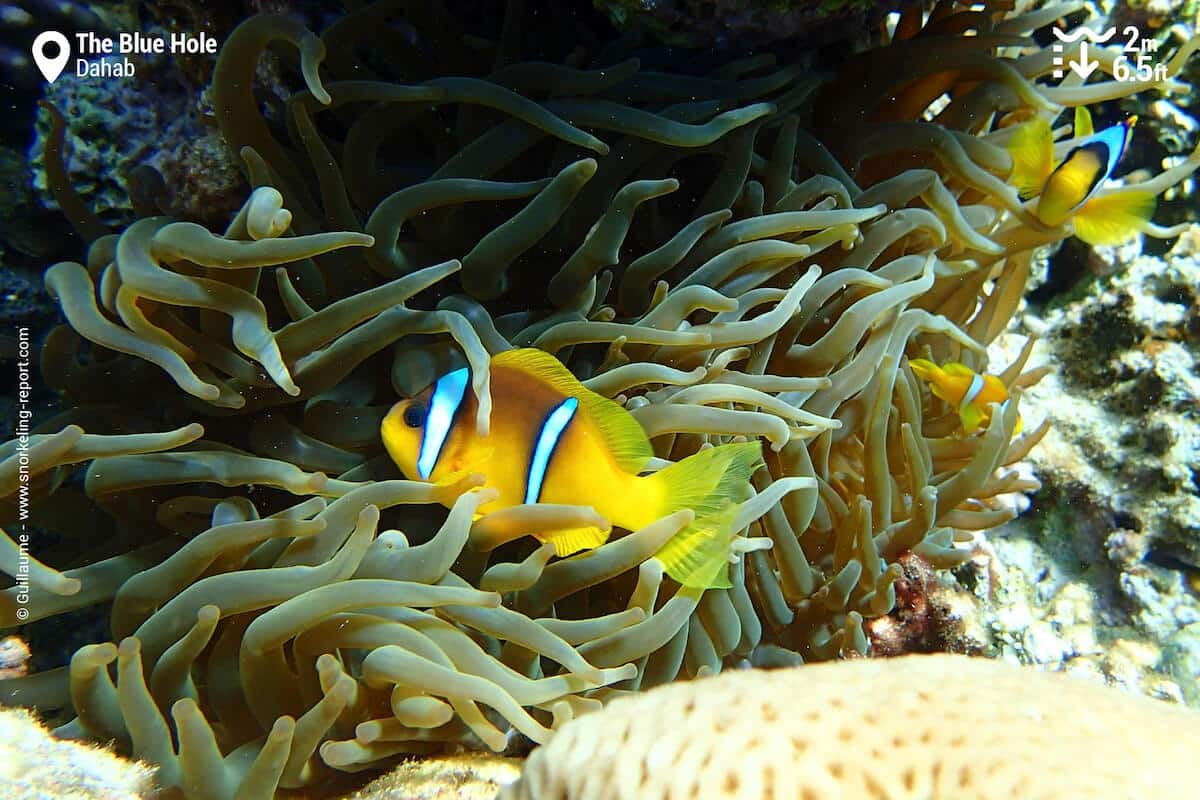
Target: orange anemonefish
x=960 y=386
x=554 y=441
x=1067 y=192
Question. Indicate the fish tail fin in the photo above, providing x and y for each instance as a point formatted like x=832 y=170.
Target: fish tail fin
x=713 y=483
x=932 y=374
x=1032 y=149
x=924 y=369
x=1114 y=218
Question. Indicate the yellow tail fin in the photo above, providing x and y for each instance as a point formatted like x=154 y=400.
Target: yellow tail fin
x=1113 y=218
x=713 y=483
x=932 y=374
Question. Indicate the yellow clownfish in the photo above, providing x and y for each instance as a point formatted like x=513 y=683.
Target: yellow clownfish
x=554 y=441
x=960 y=386
x=1068 y=191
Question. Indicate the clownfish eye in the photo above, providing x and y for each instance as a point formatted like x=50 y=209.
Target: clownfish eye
x=414 y=415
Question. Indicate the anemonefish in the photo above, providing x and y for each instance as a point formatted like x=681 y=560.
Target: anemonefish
x=554 y=441
x=1067 y=191
x=965 y=389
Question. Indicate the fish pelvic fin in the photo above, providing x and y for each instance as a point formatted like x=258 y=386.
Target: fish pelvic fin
x=713 y=483
x=972 y=417
x=1032 y=149
x=1114 y=218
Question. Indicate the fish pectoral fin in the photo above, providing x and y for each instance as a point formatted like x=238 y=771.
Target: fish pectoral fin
x=572 y=540
x=452 y=478
x=480 y=456
x=465 y=475
x=449 y=487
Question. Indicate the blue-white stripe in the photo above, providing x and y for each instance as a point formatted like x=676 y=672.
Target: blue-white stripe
x=547 y=440
x=447 y=397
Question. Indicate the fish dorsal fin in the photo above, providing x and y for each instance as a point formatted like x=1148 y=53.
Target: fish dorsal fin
x=625 y=439
x=1032 y=151
x=1083 y=122
x=955 y=368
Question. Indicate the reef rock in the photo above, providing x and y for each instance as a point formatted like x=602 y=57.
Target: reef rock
x=722 y=23
x=1103 y=576
x=127 y=140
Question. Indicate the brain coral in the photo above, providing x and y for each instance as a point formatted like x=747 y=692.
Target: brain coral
x=932 y=727
x=283 y=607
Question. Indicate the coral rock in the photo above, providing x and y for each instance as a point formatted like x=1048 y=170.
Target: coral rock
x=36 y=766
x=918 y=726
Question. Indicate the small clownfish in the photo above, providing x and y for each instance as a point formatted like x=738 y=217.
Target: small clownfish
x=552 y=440
x=960 y=386
x=1068 y=191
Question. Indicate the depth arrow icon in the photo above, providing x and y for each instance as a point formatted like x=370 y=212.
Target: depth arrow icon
x=1084 y=66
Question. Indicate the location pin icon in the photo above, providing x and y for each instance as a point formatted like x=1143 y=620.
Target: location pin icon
x=51 y=66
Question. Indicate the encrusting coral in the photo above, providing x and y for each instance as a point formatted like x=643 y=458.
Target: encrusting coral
x=471 y=776
x=938 y=727
x=34 y=765
x=284 y=607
